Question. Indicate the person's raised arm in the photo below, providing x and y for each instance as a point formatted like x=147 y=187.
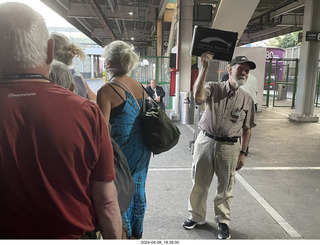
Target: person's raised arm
x=105 y=201
x=198 y=86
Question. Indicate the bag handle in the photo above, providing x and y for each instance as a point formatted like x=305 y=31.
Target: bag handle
x=129 y=92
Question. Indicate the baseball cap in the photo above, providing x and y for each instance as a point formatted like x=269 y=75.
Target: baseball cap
x=243 y=59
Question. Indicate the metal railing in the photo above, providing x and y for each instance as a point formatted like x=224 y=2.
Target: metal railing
x=281 y=76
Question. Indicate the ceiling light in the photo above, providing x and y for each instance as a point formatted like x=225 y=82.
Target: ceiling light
x=132 y=38
x=130 y=13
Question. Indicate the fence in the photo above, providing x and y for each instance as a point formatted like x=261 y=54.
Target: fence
x=155 y=67
x=281 y=82
x=282 y=86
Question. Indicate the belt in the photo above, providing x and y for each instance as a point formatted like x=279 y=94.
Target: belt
x=222 y=139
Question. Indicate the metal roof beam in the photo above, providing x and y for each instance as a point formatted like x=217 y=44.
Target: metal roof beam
x=97 y=11
x=162 y=8
x=279 y=10
x=266 y=34
x=81 y=10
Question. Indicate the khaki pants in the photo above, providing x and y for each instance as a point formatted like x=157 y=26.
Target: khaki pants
x=211 y=157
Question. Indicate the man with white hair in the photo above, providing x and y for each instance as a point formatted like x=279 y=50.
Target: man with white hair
x=56 y=157
x=227 y=119
x=156 y=93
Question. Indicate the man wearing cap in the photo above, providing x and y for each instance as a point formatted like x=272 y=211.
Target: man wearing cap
x=221 y=145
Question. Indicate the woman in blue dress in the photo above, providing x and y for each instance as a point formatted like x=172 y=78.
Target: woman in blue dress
x=120 y=101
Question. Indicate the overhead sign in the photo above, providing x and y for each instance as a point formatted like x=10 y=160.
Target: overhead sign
x=313 y=36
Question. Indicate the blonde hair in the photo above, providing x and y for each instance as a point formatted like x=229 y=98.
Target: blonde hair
x=122 y=56
x=64 y=50
x=61 y=75
x=24 y=38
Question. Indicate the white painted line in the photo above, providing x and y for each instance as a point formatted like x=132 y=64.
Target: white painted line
x=280 y=168
x=169 y=169
x=287 y=115
x=273 y=213
x=190 y=127
x=271 y=119
x=277 y=217
x=244 y=168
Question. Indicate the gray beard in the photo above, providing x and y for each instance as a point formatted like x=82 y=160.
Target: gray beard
x=240 y=82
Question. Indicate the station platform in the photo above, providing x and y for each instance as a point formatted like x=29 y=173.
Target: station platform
x=276 y=195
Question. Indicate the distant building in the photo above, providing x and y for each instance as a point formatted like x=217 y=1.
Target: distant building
x=92 y=67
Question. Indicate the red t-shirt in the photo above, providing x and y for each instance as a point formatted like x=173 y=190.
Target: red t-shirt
x=52 y=143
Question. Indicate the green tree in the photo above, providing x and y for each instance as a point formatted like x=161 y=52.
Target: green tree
x=272 y=42
x=289 y=40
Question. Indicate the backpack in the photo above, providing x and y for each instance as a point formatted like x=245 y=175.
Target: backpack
x=123 y=182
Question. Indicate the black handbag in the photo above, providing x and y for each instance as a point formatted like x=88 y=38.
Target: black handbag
x=160 y=132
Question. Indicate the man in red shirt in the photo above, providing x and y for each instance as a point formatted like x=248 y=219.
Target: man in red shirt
x=56 y=157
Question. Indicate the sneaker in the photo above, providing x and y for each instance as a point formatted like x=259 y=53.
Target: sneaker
x=224 y=231
x=189 y=224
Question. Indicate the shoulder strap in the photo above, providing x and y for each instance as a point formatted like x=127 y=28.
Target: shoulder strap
x=116 y=91
x=130 y=93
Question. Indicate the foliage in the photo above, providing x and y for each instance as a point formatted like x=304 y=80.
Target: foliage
x=272 y=42
x=286 y=41
x=289 y=40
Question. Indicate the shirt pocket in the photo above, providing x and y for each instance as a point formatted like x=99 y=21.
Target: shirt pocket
x=237 y=115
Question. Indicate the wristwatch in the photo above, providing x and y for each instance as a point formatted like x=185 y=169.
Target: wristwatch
x=244 y=153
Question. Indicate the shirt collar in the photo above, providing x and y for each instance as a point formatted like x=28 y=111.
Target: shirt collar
x=228 y=90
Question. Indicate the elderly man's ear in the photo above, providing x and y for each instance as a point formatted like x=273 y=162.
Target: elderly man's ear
x=50 y=50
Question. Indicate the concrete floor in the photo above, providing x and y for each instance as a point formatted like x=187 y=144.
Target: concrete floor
x=276 y=195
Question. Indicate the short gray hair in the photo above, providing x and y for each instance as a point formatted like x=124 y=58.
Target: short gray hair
x=24 y=38
x=122 y=56
x=61 y=75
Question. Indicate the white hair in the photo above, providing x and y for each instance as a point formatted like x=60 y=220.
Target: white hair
x=24 y=38
x=64 y=50
x=61 y=75
x=123 y=57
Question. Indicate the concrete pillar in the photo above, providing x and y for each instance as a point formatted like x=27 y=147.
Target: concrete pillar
x=184 y=37
x=92 y=66
x=159 y=37
x=308 y=65
x=186 y=29
x=159 y=49
x=98 y=65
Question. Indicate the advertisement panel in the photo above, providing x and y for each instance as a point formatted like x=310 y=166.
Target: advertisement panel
x=277 y=69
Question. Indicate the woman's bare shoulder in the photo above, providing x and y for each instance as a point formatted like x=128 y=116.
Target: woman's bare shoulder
x=107 y=90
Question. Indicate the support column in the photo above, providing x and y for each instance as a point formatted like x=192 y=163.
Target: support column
x=97 y=66
x=159 y=49
x=92 y=67
x=184 y=37
x=308 y=66
x=185 y=44
x=159 y=37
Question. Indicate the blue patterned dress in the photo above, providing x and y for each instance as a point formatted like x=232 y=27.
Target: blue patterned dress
x=126 y=130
